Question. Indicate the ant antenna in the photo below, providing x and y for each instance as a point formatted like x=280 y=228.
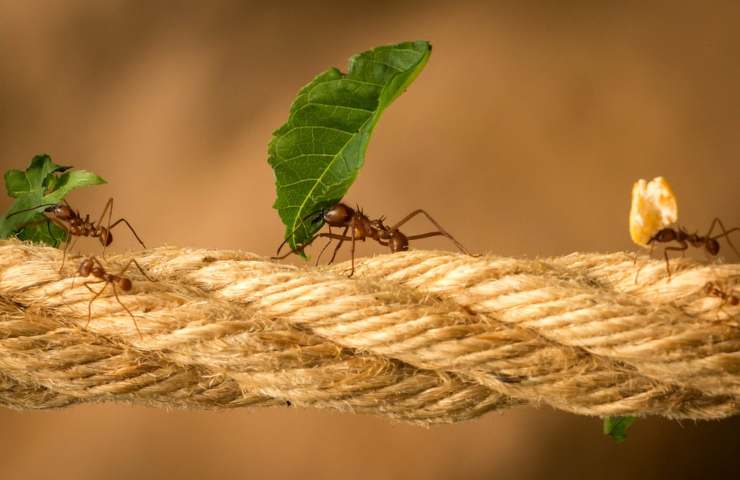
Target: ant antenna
x=292 y=233
x=32 y=208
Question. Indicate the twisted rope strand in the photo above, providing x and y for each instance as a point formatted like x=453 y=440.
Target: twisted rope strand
x=419 y=336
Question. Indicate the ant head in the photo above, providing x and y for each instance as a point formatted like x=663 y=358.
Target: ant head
x=712 y=247
x=399 y=242
x=86 y=267
x=338 y=215
x=106 y=238
x=124 y=284
x=62 y=212
x=664 y=235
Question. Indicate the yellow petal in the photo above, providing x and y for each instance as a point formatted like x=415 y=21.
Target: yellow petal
x=653 y=208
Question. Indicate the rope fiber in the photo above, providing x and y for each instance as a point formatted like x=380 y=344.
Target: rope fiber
x=421 y=336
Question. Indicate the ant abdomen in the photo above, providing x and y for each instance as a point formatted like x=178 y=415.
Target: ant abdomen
x=124 y=284
x=106 y=237
x=712 y=246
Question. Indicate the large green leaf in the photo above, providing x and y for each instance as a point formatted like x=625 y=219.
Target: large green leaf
x=43 y=183
x=317 y=154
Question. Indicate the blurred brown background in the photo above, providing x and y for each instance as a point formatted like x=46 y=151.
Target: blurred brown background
x=522 y=136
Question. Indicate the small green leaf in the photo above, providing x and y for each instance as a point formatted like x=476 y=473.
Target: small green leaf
x=43 y=183
x=317 y=154
x=616 y=427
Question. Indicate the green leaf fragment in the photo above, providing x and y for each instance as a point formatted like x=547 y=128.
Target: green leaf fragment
x=43 y=183
x=317 y=154
x=616 y=427
x=43 y=231
x=16 y=183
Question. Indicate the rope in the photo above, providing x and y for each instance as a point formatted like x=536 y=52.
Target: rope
x=419 y=336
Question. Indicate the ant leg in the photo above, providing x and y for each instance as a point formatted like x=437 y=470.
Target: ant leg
x=109 y=210
x=115 y=292
x=291 y=252
x=277 y=257
x=126 y=267
x=302 y=247
x=300 y=224
x=681 y=249
x=48 y=228
x=650 y=255
x=67 y=246
x=342 y=238
x=335 y=236
x=89 y=305
x=72 y=244
x=441 y=229
x=141 y=270
x=443 y=234
x=352 y=226
x=323 y=249
x=339 y=245
x=86 y=285
x=130 y=228
x=67 y=242
x=426 y=235
x=71 y=287
x=725 y=233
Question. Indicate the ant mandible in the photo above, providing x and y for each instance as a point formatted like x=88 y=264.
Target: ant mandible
x=362 y=227
x=708 y=242
x=70 y=220
x=92 y=266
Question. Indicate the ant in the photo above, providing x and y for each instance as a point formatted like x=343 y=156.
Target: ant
x=362 y=227
x=71 y=221
x=92 y=266
x=708 y=242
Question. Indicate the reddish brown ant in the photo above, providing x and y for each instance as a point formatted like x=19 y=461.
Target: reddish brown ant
x=71 y=221
x=362 y=227
x=708 y=242
x=92 y=266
